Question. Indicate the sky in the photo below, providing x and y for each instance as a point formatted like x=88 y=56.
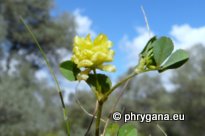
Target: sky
x=123 y=22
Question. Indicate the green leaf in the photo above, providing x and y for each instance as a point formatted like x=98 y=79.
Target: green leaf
x=127 y=130
x=99 y=82
x=148 y=46
x=112 y=130
x=69 y=70
x=162 y=48
x=177 y=59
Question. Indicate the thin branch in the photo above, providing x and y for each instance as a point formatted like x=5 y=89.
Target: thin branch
x=115 y=105
x=120 y=83
x=146 y=21
x=160 y=128
x=86 y=112
x=93 y=116
x=52 y=73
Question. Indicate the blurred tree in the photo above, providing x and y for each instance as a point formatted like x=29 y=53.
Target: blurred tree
x=80 y=119
x=52 y=32
x=146 y=94
x=3 y=28
x=27 y=106
x=189 y=96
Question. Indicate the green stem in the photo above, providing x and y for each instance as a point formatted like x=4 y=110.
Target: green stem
x=119 y=83
x=53 y=75
x=139 y=69
x=99 y=113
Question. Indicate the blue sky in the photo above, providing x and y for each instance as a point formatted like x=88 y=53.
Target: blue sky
x=124 y=23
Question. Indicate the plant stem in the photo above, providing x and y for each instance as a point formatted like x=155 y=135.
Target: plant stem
x=53 y=75
x=99 y=113
x=93 y=116
x=114 y=106
x=119 y=83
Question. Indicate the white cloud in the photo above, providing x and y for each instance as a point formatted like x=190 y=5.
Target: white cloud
x=41 y=74
x=134 y=46
x=64 y=54
x=186 y=36
x=84 y=24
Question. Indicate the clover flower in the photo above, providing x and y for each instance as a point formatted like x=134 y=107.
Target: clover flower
x=91 y=55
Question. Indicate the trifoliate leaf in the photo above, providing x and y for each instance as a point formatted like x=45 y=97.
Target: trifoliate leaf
x=177 y=59
x=162 y=48
x=148 y=46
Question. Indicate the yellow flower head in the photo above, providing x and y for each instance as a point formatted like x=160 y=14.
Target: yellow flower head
x=93 y=54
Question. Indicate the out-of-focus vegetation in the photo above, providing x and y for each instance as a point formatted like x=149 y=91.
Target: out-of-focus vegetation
x=52 y=31
x=29 y=107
